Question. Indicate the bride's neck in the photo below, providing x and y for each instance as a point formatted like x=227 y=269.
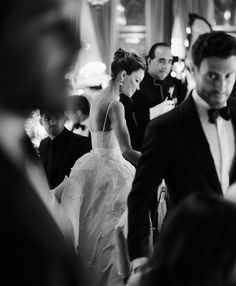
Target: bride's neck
x=114 y=91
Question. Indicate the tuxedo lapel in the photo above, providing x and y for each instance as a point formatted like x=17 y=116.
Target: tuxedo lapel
x=232 y=104
x=197 y=141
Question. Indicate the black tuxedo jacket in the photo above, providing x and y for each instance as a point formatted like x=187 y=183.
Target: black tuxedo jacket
x=67 y=147
x=34 y=249
x=176 y=149
x=150 y=94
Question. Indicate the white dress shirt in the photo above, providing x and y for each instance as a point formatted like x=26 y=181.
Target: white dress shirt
x=220 y=137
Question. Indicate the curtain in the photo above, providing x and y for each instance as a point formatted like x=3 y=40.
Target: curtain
x=201 y=7
x=159 y=21
x=106 y=29
x=89 y=52
x=76 y=15
x=96 y=26
x=181 y=9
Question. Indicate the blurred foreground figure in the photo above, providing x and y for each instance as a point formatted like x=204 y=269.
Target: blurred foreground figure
x=37 y=48
x=196 y=246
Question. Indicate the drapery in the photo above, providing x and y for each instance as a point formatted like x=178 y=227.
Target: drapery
x=97 y=28
x=201 y=7
x=89 y=52
x=159 y=20
x=106 y=29
x=181 y=9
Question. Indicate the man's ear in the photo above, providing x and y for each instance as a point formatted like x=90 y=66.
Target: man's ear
x=193 y=68
x=148 y=61
x=79 y=114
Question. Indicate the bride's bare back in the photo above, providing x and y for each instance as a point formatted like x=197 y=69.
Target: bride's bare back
x=98 y=112
x=107 y=113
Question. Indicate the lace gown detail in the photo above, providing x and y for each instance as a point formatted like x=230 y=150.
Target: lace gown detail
x=94 y=199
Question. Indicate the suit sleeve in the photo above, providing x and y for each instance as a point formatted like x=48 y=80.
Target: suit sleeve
x=149 y=174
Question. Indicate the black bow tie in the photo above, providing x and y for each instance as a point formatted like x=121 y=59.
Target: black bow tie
x=78 y=125
x=224 y=112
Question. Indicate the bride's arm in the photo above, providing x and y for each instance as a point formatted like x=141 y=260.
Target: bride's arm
x=118 y=123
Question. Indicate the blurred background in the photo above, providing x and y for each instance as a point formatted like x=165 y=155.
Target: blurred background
x=135 y=25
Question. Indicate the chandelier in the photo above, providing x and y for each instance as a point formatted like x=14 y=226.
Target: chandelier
x=97 y=2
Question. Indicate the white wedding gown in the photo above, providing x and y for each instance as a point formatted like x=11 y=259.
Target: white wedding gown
x=94 y=199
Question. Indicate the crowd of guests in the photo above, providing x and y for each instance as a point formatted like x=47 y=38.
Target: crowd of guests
x=81 y=210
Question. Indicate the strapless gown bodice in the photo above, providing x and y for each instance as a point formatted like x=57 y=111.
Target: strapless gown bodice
x=105 y=143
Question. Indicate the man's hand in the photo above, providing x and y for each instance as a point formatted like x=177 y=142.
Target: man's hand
x=161 y=108
x=137 y=264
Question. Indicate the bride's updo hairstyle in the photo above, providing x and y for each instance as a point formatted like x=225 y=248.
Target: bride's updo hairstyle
x=126 y=61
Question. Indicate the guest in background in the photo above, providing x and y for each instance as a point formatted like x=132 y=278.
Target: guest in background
x=196 y=246
x=193 y=146
x=60 y=150
x=78 y=114
x=159 y=93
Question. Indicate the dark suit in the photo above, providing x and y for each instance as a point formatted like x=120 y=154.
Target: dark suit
x=176 y=149
x=60 y=154
x=149 y=95
x=34 y=250
x=233 y=93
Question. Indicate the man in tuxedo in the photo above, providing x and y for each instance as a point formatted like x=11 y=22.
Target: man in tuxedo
x=38 y=47
x=60 y=150
x=78 y=114
x=193 y=146
x=158 y=93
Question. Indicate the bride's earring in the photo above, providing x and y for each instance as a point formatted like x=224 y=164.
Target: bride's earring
x=121 y=83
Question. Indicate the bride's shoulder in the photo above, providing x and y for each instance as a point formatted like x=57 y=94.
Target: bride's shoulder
x=116 y=106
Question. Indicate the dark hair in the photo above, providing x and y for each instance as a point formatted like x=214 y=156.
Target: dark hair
x=214 y=44
x=43 y=112
x=196 y=246
x=151 y=53
x=126 y=61
x=79 y=102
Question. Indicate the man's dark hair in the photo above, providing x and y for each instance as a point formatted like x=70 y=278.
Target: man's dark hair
x=200 y=248
x=79 y=102
x=44 y=112
x=214 y=44
x=151 y=53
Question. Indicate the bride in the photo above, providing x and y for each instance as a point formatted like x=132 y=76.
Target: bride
x=95 y=194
